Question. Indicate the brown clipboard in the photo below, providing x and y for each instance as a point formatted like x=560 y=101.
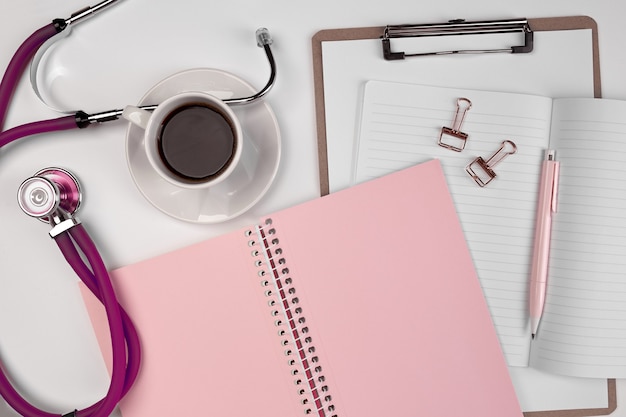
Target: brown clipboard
x=363 y=33
x=377 y=32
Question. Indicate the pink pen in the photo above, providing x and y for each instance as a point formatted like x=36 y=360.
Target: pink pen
x=546 y=207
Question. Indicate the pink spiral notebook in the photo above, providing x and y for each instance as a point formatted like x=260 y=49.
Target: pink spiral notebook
x=362 y=303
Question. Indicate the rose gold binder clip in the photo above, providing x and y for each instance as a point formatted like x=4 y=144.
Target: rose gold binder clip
x=452 y=137
x=482 y=171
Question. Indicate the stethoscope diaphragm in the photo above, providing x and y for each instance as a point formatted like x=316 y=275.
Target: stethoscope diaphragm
x=47 y=192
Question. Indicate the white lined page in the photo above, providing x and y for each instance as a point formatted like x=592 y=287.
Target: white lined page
x=400 y=126
x=583 y=330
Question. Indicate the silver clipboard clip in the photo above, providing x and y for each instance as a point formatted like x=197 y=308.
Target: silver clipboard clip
x=458 y=27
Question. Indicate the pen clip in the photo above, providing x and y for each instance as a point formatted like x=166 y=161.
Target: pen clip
x=555 y=186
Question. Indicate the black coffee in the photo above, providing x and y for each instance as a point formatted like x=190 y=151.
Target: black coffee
x=196 y=142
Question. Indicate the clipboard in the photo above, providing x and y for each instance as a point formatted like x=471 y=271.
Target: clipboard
x=330 y=36
x=381 y=33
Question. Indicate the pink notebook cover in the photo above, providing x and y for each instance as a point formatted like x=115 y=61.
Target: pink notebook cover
x=364 y=303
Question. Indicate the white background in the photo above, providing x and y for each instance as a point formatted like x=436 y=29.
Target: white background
x=112 y=60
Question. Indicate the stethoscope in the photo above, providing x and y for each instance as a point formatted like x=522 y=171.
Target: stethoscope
x=53 y=195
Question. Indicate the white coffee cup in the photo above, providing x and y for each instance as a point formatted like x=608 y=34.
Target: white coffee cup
x=192 y=139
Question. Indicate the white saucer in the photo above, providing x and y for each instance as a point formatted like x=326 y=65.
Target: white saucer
x=237 y=193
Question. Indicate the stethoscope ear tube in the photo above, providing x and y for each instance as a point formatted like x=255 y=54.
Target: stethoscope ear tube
x=263 y=38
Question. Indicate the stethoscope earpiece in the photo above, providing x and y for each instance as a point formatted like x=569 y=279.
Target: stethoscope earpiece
x=49 y=191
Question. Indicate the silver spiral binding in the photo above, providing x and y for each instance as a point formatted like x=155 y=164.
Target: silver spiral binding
x=285 y=309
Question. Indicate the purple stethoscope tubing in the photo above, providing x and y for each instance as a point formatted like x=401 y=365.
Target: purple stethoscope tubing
x=123 y=333
x=121 y=328
x=124 y=338
x=16 y=67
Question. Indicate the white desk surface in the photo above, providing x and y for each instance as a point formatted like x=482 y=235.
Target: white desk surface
x=111 y=61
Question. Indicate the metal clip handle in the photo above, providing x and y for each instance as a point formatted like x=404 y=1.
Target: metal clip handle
x=482 y=170
x=452 y=137
x=458 y=27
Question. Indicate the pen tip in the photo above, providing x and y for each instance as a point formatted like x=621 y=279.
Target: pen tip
x=532 y=336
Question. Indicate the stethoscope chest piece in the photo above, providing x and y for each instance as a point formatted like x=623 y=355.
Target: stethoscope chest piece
x=47 y=192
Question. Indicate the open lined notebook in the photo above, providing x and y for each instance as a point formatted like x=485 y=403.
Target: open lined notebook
x=583 y=330
x=347 y=305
